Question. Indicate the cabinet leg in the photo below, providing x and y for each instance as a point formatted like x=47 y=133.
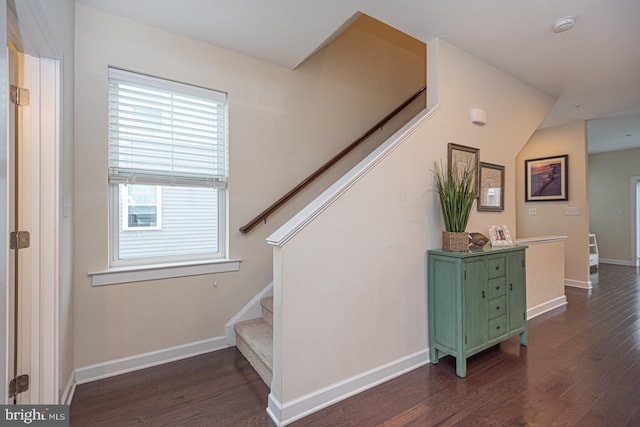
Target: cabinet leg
x=461 y=367
x=523 y=338
x=433 y=355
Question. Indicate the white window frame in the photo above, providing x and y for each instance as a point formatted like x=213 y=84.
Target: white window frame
x=120 y=269
x=125 y=211
x=117 y=265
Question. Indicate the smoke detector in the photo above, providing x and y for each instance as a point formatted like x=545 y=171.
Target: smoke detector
x=564 y=24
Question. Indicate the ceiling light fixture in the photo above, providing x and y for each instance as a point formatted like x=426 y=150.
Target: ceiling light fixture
x=564 y=24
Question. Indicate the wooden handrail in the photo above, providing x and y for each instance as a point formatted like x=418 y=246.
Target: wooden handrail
x=335 y=159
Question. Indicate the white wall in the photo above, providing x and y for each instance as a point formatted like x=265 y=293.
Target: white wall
x=61 y=16
x=610 y=202
x=551 y=218
x=350 y=286
x=283 y=124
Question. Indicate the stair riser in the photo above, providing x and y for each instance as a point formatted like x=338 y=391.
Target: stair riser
x=267 y=315
x=254 y=360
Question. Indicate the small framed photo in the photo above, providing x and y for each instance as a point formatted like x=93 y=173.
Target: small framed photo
x=491 y=195
x=547 y=179
x=499 y=236
x=463 y=157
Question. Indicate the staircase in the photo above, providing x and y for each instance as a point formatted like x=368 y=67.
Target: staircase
x=254 y=339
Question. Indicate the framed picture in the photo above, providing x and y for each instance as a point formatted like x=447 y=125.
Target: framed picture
x=499 y=236
x=491 y=194
x=547 y=179
x=464 y=158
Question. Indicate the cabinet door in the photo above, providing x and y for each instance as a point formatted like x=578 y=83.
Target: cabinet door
x=516 y=289
x=474 y=307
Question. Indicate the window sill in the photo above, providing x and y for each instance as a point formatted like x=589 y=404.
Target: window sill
x=139 y=273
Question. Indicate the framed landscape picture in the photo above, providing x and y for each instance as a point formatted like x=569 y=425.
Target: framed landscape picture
x=546 y=179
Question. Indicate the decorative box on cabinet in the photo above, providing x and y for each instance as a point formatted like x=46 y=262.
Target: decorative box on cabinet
x=476 y=300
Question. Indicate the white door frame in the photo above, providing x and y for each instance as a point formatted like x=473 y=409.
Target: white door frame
x=39 y=172
x=4 y=219
x=635 y=221
x=25 y=29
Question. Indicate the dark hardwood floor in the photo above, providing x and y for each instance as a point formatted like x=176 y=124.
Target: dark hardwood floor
x=581 y=368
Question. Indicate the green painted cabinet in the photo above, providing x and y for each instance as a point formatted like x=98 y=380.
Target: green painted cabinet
x=476 y=300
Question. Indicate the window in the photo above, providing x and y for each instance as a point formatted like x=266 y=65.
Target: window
x=141 y=207
x=167 y=170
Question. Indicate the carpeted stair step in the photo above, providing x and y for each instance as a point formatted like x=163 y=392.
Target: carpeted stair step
x=254 y=339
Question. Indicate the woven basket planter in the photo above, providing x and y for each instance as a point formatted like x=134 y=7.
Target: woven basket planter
x=457 y=241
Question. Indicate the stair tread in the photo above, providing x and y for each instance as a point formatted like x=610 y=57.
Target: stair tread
x=258 y=334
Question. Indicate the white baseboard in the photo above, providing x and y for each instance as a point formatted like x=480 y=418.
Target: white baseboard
x=617 y=262
x=69 y=390
x=546 y=306
x=146 y=360
x=283 y=414
x=252 y=310
x=578 y=284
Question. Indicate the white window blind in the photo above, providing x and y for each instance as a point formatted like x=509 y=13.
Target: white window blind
x=167 y=170
x=165 y=133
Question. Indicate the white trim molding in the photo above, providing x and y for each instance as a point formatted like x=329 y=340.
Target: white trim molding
x=252 y=310
x=283 y=414
x=540 y=240
x=69 y=390
x=625 y=262
x=115 y=367
x=578 y=284
x=130 y=274
x=546 y=306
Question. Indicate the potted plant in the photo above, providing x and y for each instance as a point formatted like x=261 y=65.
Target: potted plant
x=457 y=191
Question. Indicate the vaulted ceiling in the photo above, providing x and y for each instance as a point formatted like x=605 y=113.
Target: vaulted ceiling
x=593 y=70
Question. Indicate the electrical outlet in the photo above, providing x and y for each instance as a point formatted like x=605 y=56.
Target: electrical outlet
x=533 y=211
x=572 y=210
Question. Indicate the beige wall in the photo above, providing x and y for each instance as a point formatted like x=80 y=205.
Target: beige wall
x=351 y=284
x=551 y=218
x=545 y=273
x=283 y=124
x=610 y=202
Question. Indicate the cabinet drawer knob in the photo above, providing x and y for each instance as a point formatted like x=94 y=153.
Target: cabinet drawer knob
x=497 y=267
x=498 y=287
x=497 y=308
x=498 y=327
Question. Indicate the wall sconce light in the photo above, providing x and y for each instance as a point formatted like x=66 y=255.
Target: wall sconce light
x=478 y=116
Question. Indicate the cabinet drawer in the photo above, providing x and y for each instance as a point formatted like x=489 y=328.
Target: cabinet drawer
x=497 y=327
x=496 y=267
x=497 y=307
x=497 y=287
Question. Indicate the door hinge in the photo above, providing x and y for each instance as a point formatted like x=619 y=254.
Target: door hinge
x=465 y=339
x=18 y=385
x=19 y=239
x=19 y=95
